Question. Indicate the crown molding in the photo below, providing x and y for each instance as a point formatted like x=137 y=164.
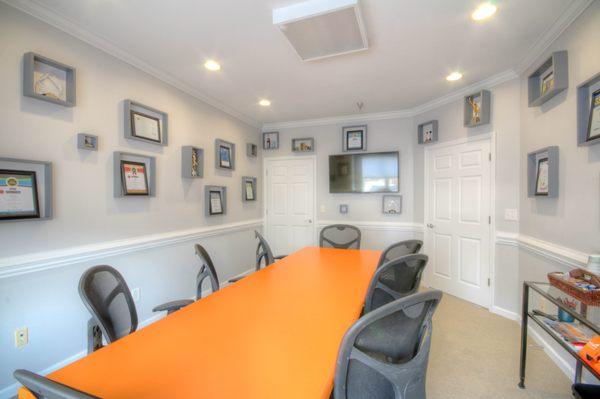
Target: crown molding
x=539 y=47
x=405 y=113
x=43 y=13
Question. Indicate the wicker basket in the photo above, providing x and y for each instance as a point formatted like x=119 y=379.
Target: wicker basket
x=590 y=298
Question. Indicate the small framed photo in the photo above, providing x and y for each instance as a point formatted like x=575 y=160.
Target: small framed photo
x=303 y=145
x=547 y=81
x=216 y=202
x=428 y=132
x=224 y=155
x=134 y=178
x=594 y=119
x=18 y=195
x=248 y=188
x=251 y=150
x=392 y=204
x=541 y=181
x=87 y=142
x=354 y=138
x=271 y=141
x=344 y=209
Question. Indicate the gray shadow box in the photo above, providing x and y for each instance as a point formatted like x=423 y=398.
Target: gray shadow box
x=252 y=180
x=222 y=143
x=434 y=135
x=43 y=175
x=251 y=150
x=223 y=191
x=163 y=117
x=532 y=159
x=557 y=64
x=584 y=102
x=150 y=163
x=484 y=112
x=33 y=63
x=187 y=170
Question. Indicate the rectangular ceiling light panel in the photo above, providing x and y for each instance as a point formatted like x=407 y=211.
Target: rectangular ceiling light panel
x=322 y=28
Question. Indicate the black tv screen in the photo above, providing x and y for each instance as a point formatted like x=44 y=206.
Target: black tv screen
x=375 y=172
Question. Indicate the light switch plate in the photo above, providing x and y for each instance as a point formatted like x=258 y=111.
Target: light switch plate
x=21 y=337
x=322 y=208
x=344 y=209
x=511 y=214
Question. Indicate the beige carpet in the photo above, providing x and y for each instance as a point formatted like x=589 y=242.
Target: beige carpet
x=475 y=354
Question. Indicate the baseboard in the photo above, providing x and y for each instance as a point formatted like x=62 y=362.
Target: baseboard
x=560 y=361
x=508 y=314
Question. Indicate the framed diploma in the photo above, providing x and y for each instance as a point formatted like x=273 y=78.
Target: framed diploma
x=145 y=126
x=249 y=190
x=134 y=178
x=225 y=156
x=541 y=181
x=354 y=138
x=216 y=203
x=18 y=195
x=594 y=120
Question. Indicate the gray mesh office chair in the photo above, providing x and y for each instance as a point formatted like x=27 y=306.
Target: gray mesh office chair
x=342 y=236
x=384 y=354
x=264 y=255
x=207 y=270
x=43 y=388
x=394 y=280
x=402 y=248
x=105 y=294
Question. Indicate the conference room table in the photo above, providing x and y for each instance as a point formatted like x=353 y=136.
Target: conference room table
x=273 y=334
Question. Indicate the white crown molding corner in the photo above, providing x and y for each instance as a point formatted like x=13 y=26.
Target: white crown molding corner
x=19 y=265
x=490 y=82
x=43 y=13
x=566 y=18
x=381 y=226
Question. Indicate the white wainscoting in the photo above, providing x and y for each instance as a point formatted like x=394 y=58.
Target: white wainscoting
x=378 y=235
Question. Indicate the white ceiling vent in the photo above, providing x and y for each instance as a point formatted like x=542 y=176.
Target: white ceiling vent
x=322 y=28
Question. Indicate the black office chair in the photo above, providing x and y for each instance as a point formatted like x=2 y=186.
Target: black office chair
x=342 y=236
x=106 y=295
x=264 y=256
x=394 y=280
x=402 y=248
x=586 y=391
x=384 y=354
x=43 y=388
x=207 y=270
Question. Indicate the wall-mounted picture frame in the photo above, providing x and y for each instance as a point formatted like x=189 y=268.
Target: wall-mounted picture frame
x=542 y=173
x=270 y=140
x=48 y=80
x=548 y=79
x=144 y=123
x=427 y=132
x=391 y=205
x=588 y=111
x=248 y=188
x=215 y=200
x=344 y=208
x=541 y=180
x=354 y=138
x=593 y=130
x=477 y=109
x=134 y=178
x=18 y=194
x=251 y=150
x=303 y=144
x=216 y=203
x=224 y=155
x=192 y=162
x=87 y=142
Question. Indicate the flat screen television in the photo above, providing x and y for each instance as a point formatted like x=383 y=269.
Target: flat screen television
x=375 y=172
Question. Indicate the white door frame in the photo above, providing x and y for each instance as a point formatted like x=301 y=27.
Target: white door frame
x=266 y=162
x=491 y=137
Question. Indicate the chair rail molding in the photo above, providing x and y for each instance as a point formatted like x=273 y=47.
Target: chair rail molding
x=23 y=264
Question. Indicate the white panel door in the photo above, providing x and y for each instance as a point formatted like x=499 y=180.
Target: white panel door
x=458 y=220
x=290 y=204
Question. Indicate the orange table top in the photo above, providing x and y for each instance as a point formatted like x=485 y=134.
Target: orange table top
x=274 y=334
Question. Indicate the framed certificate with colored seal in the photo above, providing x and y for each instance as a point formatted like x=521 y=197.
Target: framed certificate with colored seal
x=134 y=178
x=18 y=194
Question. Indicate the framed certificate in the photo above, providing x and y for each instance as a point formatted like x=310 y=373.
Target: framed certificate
x=145 y=126
x=541 y=181
x=249 y=190
x=547 y=81
x=216 y=203
x=134 y=178
x=354 y=138
x=18 y=194
x=225 y=156
x=594 y=121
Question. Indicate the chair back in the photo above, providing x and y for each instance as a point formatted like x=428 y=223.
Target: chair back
x=384 y=354
x=207 y=270
x=43 y=388
x=263 y=252
x=342 y=236
x=394 y=280
x=105 y=294
x=402 y=248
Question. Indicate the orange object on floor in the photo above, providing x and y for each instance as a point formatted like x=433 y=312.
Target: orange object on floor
x=273 y=334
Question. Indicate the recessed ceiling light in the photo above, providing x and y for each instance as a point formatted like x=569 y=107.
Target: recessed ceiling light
x=212 y=65
x=484 y=11
x=264 y=102
x=454 y=76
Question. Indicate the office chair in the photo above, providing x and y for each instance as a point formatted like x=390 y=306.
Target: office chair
x=394 y=280
x=341 y=236
x=585 y=391
x=263 y=255
x=207 y=270
x=43 y=388
x=107 y=297
x=385 y=353
x=402 y=248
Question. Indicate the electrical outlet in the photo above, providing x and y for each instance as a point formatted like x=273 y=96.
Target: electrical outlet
x=21 y=337
x=322 y=208
x=135 y=293
x=511 y=214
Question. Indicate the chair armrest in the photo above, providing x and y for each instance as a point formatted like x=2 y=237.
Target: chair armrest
x=172 y=306
x=235 y=279
x=279 y=257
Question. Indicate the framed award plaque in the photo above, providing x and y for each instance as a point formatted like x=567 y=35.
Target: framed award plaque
x=134 y=178
x=216 y=203
x=594 y=118
x=18 y=194
x=145 y=126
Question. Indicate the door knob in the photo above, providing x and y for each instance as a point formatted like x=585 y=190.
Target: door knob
x=430 y=225
x=309 y=221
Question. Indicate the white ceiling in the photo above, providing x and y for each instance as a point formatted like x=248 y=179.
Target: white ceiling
x=413 y=45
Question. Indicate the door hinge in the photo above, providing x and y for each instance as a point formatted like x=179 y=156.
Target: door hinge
x=489 y=220
x=490 y=156
x=488 y=282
